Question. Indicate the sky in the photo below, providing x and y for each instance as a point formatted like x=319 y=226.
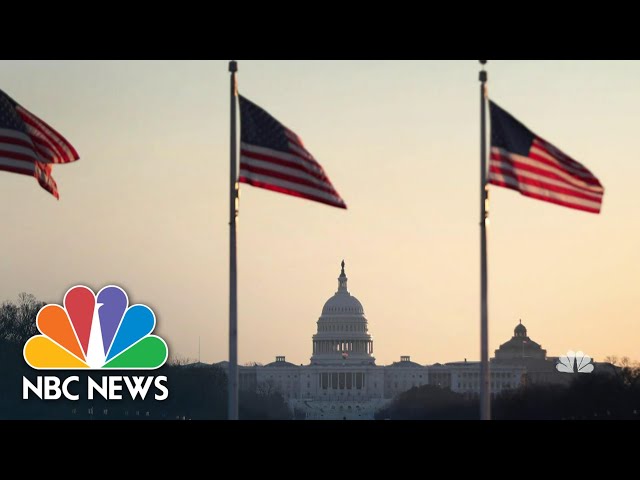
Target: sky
x=146 y=207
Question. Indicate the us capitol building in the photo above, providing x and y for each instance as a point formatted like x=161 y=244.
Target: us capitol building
x=342 y=380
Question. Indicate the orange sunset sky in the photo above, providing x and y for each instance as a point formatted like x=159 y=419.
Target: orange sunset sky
x=146 y=207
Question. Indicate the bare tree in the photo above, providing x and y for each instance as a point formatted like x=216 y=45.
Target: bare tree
x=266 y=388
x=626 y=370
x=179 y=361
x=18 y=321
x=625 y=362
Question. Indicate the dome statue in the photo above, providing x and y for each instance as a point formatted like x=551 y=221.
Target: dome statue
x=520 y=330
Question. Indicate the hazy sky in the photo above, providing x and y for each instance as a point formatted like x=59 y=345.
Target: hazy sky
x=146 y=207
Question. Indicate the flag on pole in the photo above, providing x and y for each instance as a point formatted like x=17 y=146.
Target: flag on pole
x=523 y=161
x=273 y=157
x=29 y=146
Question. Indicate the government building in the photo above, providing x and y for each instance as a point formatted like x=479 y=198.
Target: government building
x=343 y=381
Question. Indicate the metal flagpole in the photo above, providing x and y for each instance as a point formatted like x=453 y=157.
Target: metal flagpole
x=233 y=274
x=485 y=392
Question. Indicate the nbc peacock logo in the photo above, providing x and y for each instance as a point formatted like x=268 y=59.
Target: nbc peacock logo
x=95 y=332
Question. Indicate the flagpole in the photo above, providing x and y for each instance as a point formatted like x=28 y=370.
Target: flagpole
x=233 y=274
x=485 y=392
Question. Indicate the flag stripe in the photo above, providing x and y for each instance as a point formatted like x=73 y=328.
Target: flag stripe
x=35 y=145
x=496 y=171
x=17 y=166
x=249 y=170
x=60 y=155
x=283 y=167
x=505 y=172
x=294 y=175
x=18 y=142
x=524 y=163
x=49 y=131
x=543 y=156
x=19 y=153
x=555 y=153
x=516 y=163
x=290 y=186
x=310 y=166
x=57 y=142
x=6 y=132
x=45 y=148
x=538 y=194
x=303 y=153
x=543 y=159
x=282 y=159
x=260 y=167
x=276 y=188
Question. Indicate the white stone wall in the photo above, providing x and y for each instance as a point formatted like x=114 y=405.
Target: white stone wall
x=398 y=379
x=466 y=379
x=331 y=383
x=285 y=380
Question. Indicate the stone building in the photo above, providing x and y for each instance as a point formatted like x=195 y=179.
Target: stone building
x=343 y=381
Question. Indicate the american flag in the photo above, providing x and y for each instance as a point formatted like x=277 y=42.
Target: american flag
x=522 y=161
x=273 y=157
x=29 y=146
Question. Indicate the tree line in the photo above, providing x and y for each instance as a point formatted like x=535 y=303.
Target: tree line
x=597 y=396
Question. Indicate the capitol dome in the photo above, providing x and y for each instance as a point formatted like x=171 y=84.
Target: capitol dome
x=342 y=303
x=343 y=334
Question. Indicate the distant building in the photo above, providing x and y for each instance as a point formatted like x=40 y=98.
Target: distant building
x=520 y=347
x=521 y=350
x=464 y=377
x=404 y=375
x=342 y=380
